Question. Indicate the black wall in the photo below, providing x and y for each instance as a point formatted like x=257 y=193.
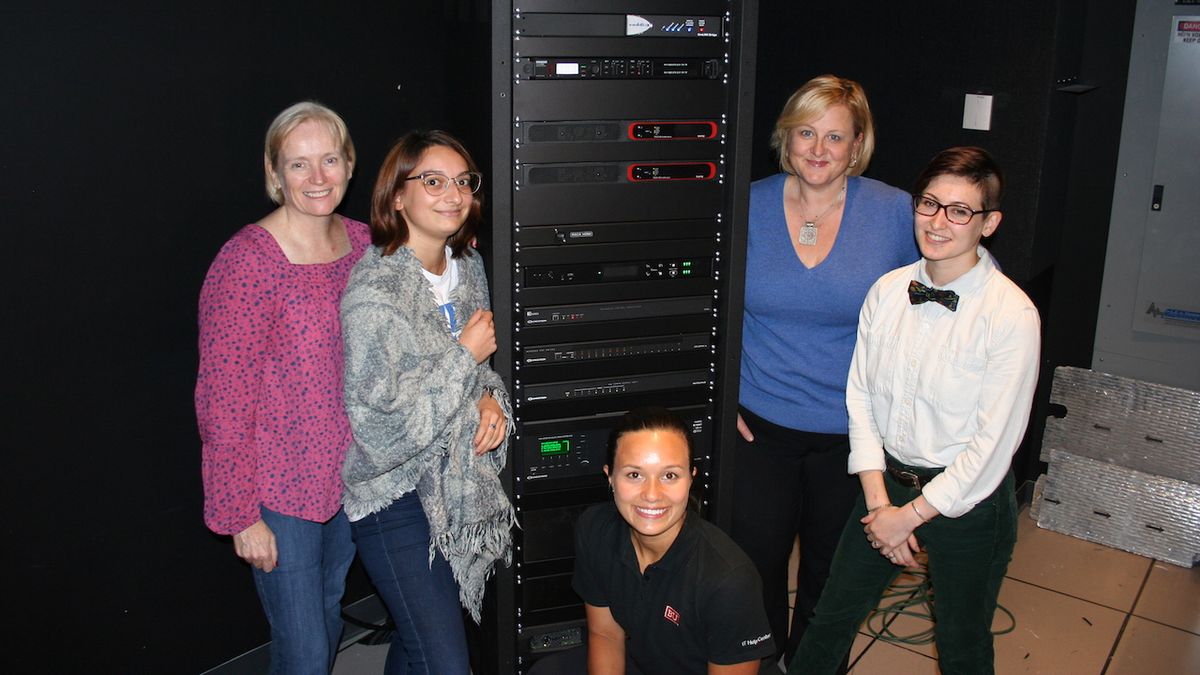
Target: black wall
x=916 y=67
x=1058 y=150
x=132 y=151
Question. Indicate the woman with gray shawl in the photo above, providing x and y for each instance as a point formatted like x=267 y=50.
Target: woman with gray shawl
x=430 y=419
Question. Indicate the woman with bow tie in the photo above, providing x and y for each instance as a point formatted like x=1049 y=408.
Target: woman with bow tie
x=939 y=395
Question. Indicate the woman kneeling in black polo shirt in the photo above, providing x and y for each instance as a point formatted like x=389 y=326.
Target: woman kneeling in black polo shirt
x=664 y=585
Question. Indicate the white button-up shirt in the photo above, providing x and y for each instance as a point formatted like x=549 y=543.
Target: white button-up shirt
x=941 y=388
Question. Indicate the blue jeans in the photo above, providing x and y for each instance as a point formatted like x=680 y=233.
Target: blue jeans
x=393 y=545
x=302 y=596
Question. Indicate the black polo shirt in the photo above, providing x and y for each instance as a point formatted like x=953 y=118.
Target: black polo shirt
x=702 y=602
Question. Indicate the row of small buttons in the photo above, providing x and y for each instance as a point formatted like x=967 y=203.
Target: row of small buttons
x=596 y=391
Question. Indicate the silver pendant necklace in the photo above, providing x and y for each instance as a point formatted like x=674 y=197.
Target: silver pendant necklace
x=808 y=232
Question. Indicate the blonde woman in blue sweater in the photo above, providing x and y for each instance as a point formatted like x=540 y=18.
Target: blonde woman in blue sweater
x=820 y=235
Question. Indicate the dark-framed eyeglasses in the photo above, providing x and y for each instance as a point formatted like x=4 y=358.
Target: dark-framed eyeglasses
x=955 y=213
x=436 y=182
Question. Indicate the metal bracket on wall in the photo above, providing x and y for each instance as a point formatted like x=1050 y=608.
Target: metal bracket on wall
x=1072 y=85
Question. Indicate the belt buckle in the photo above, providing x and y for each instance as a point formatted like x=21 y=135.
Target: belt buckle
x=912 y=478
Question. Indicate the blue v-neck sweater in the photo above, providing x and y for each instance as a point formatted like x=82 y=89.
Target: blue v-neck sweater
x=800 y=324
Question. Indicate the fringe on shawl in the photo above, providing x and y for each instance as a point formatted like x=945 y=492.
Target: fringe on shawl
x=472 y=552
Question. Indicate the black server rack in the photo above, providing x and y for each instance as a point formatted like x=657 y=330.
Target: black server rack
x=621 y=172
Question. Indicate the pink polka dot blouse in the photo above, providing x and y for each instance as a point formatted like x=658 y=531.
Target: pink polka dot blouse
x=269 y=389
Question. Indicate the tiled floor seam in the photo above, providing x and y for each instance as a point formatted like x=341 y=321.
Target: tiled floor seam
x=1112 y=651
x=1076 y=597
x=1164 y=624
x=854 y=661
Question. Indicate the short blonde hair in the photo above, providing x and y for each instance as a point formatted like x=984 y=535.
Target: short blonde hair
x=811 y=101
x=285 y=123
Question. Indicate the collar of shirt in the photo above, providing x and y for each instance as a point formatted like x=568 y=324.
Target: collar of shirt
x=676 y=556
x=968 y=283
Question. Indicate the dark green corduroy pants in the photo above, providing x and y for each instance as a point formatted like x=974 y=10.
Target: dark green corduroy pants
x=968 y=557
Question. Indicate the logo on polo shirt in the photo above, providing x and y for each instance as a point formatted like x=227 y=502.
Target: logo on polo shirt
x=671 y=615
x=754 y=641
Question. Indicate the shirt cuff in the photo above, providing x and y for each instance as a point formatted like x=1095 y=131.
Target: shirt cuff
x=866 y=460
x=937 y=493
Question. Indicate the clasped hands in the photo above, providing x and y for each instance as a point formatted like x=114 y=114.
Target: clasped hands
x=890 y=530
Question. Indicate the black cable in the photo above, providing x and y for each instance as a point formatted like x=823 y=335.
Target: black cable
x=379 y=633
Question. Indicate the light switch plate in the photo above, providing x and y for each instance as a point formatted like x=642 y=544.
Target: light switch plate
x=977 y=112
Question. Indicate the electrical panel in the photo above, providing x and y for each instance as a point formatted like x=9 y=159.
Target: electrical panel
x=621 y=163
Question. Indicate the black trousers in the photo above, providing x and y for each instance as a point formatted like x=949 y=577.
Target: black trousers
x=790 y=483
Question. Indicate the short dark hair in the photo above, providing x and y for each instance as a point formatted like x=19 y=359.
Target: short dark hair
x=974 y=164
x=649 y=418
x=389 y=231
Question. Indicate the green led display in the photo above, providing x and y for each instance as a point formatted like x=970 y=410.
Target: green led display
x=559 y=446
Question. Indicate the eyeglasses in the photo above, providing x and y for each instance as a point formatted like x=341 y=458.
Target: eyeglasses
x=955 y=213
x=435 y=183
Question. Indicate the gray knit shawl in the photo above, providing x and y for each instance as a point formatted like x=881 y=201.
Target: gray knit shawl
x=411 y=394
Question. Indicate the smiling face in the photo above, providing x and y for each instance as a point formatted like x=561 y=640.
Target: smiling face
x=312 y=171
x=949 y=249
x=651 y=480
x=820 y=151
x=433 y=219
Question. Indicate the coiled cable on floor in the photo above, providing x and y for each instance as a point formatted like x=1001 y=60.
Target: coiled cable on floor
x=913 y=598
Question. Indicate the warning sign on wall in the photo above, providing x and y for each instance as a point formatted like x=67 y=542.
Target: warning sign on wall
x=1187 y=30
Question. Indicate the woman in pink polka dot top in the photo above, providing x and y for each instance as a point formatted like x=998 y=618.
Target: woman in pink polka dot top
x=269 y=389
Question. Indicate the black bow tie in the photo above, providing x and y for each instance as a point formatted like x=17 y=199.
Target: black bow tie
x=919 y=293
